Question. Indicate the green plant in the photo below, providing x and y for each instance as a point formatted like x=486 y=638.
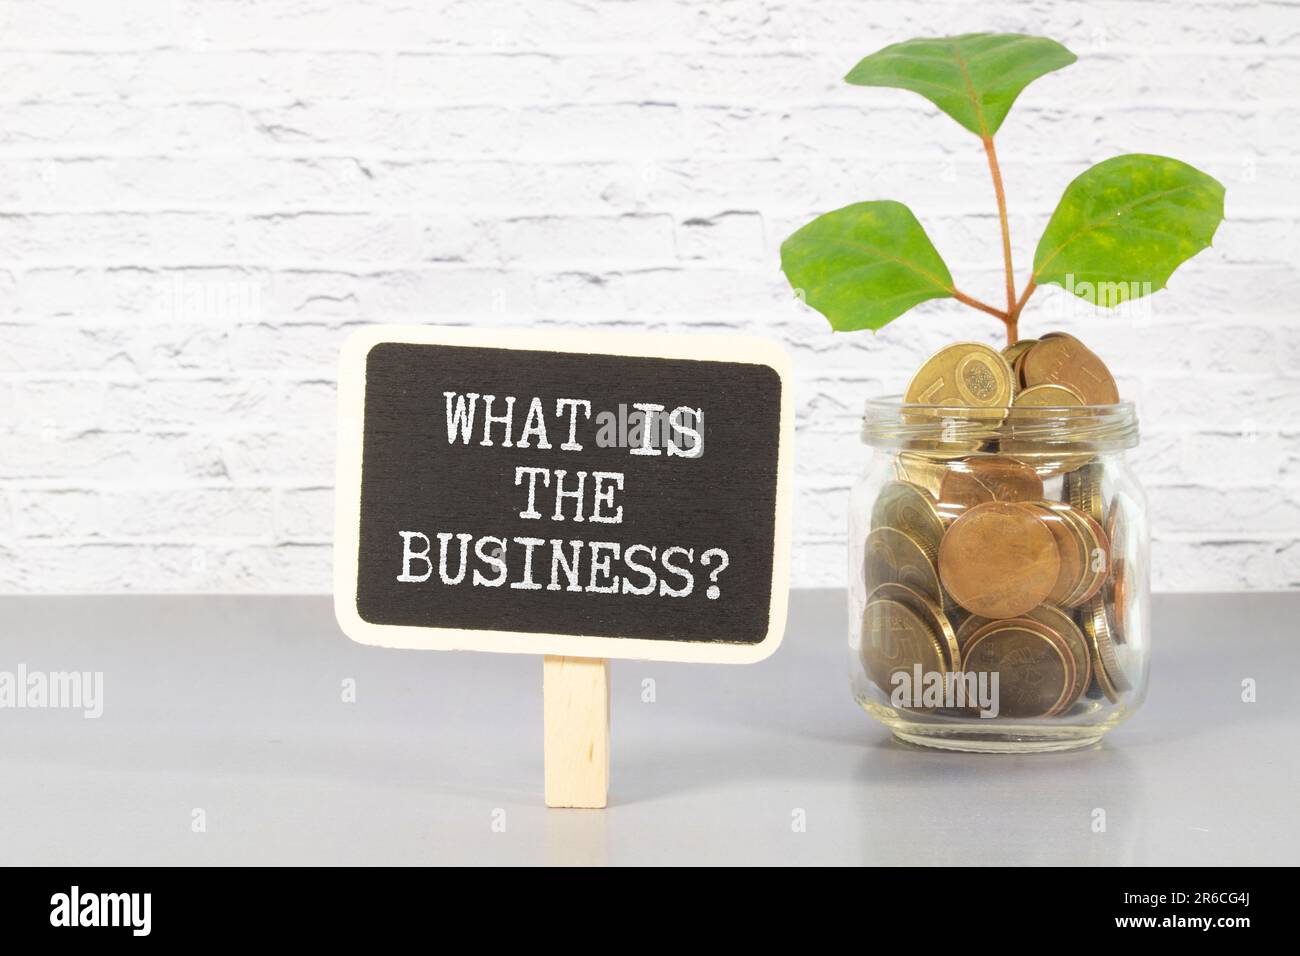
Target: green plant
x=1122 y=226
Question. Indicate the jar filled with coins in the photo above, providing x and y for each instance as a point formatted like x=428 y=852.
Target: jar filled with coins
x=998 y=584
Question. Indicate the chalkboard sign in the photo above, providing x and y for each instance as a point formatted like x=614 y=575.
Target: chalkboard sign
x=582 y=494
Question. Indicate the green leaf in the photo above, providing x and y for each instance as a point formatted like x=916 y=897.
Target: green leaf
x=974 y=78
x=1123 y=226
x=865 y=265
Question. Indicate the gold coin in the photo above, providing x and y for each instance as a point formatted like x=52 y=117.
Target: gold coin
x=920 y=470
x=1116 y=529
x=1047 y=460
x=943 y=432
x=1061 y=623
x=929 y=612
x=1013 y=351
x=1048 y=396
x=1061 y=359
x=878 y=565
x=910 y=509
x=893 y=557
x=956 y=614
x=1034 y=671
x=1018 y=367
x=967 y=373
x=999 y=559
x=1032 y=419
x=894 y=638
x=974 y=481
x=1119 y=597
x=1083 y=490
x=1105 y=662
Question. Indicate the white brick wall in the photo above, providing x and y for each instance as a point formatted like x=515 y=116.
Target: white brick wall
x=199 y=199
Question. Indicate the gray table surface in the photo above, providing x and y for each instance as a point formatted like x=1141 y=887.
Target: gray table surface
x=232 y=705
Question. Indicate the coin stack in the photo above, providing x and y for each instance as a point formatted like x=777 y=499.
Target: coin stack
x=970 y=567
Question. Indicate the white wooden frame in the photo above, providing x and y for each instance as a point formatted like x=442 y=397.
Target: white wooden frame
x=347 y=495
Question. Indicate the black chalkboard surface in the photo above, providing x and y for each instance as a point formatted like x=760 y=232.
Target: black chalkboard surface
x=588 y=495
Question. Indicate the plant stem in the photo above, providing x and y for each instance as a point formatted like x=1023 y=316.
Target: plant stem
x=1024 y=297
x=1013 y=319
x=974 y=303
x=1011 y=316
x=1011 y=313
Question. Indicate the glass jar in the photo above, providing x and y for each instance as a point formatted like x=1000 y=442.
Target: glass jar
x=998 y=579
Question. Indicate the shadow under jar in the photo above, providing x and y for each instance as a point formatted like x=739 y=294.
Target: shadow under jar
x=998 y=579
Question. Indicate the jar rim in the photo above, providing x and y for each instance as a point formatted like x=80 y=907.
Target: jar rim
x=890 y=422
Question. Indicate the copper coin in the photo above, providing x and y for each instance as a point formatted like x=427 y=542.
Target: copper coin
x=949 y=511
x=1080 y=551
x=1056 y=625
x=1097 y=561
x=1060 y=359
x=895 y=638
x=1067 y=697
x=957 y=615
x=974 y=481
x=910 y=509
x=961 y=489
x=1033 y=669
x=969 y=628
x=999 y=559
x=1073 y=552
x=1062 y=624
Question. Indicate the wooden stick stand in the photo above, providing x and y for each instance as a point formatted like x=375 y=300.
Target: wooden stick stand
x=575 y=702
